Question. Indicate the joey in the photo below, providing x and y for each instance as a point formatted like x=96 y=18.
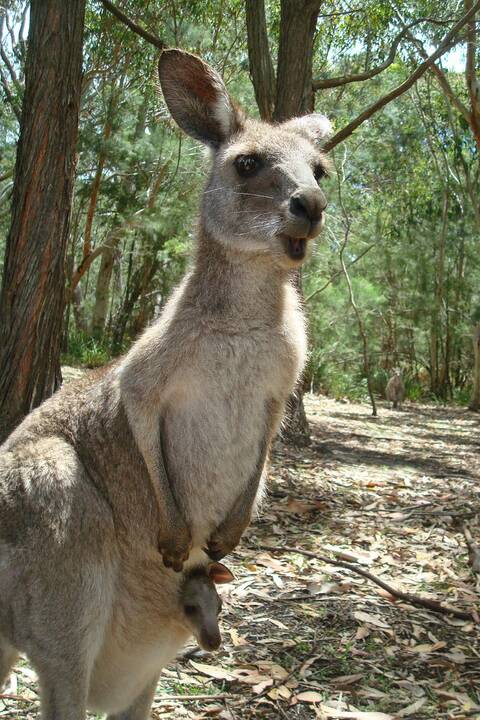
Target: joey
x=202 y=604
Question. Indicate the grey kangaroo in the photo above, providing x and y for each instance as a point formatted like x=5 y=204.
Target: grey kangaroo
x=166 y=449
x=395 y=390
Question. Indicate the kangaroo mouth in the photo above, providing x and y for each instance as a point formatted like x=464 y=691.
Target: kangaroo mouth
x=296 y=248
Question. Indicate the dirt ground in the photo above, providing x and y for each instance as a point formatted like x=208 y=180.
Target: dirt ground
x=304 y=638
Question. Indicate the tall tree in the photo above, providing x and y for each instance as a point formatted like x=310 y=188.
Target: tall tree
x=475 y=399
x=33 y=288
x=286 y=95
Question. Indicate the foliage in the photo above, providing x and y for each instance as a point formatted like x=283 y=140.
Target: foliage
x=140 y=181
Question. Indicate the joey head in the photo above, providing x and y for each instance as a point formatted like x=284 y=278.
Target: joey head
x=201 y=603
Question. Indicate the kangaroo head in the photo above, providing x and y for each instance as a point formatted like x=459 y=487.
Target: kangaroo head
x=201 y=603
x=263 y=196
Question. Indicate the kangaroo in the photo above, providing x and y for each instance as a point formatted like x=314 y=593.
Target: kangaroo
x=165 y=449
x=395 y=390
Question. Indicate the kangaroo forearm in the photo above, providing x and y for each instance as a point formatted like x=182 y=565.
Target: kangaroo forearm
x=240 y=514
x=168 y=510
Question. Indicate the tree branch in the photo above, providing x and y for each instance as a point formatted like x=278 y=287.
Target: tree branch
x=447 y=42
x=9 y=96
x=417 y=600
x=442 y=79
x=337 y=273
x=470 y=76
x=321 y=84
x=148 y=36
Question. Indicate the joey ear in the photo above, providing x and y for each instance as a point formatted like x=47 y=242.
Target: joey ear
x=315 y=126
x=219 y=573
x=197 y=98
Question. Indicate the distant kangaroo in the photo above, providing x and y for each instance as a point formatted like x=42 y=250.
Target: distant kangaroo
x=167 y=448
x=395 y=390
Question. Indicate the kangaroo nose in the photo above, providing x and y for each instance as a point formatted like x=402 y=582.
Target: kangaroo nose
x=308 y=203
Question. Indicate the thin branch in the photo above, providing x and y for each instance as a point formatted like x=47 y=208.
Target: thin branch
x=450 y=39
x=441 y=77
x=360 y=322
x=9 y=96
x=321 y=84
x=417 y=600
x=148 y=36
x=337 y=273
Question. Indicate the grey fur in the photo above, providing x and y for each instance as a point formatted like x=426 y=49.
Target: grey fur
x=167 y=448
x=395 y=390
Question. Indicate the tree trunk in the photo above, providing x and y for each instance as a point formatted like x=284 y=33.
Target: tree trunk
x=33 y=288
x=436 y=382
x=298 y=22
x=102 y=290
x=475 y=400
x=260 y=61
x=293 y=95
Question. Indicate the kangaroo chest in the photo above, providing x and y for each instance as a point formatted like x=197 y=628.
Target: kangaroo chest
x=218 y=416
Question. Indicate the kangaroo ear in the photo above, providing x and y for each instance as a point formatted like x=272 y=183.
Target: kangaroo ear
x=219 y=573
x=197 y=98
x=315 y=126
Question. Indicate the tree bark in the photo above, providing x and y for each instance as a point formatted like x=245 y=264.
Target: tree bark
x=33 y=288
x=102 y=290
x=298 y=22
x=475 y=400
x=292 y=95
x=260 y=60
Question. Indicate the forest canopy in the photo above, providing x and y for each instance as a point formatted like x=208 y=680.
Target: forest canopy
x=404 y=202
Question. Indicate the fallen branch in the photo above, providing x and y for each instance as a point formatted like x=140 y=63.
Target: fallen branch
x=20 y=698
x=473 y=550
x=164 y=699
x=417 y=600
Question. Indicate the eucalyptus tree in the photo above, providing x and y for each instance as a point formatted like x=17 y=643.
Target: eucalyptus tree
x=33 y=286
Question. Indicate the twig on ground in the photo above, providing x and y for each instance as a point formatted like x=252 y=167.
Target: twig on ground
x=418 y=601
x=164 y=699
x=11 y=696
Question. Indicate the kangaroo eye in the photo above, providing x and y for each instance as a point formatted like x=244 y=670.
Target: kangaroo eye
x=247 y=165
x=319 y=172
x=190 y=609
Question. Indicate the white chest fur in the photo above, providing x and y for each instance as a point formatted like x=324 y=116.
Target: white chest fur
x=216 y=410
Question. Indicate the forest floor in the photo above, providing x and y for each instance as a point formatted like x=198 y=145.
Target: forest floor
x=303 y=638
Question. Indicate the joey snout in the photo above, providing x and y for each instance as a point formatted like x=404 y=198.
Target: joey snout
x=209 y=638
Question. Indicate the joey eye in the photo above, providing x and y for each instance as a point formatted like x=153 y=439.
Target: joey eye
x=247 y=165
x=319 y=172
x=190 y=609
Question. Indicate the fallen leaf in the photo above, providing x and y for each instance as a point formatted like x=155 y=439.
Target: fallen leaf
x=347 y=679
x=371 y=619
x=352 y=714
x=213 y=671
x=309 y=697
x=280 y=693
x=410 y=709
